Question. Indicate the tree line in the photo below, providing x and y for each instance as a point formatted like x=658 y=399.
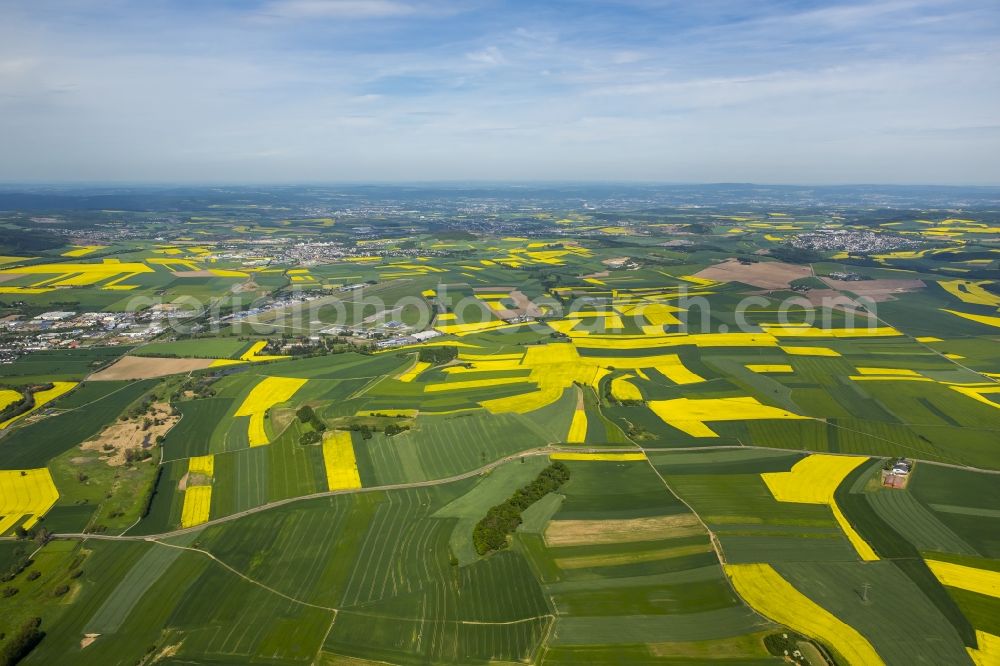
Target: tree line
x=490 y=534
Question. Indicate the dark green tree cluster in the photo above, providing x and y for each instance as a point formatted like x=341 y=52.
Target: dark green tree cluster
x=310 y=437
x=366 y=431
x=147 y=502
x=307 y=415
x=20 y=563
x=24 y=641
x=490 y=533
x=438 y=355
x=394 y=429
x=26 y=402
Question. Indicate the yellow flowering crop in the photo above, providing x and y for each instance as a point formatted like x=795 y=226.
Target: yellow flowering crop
x=986 y=320
x=979 y=393
x=690 y=415
x=25 y=493
x=252 y=354
x=8 y=397
x=197 y=504
x=338 y=458
x=810 y=332
x=412 y=373
x=578 y=427
x=473 y=383
x=269 y=392
x=81 y=250
x=769 y=367
x=623 y=389
x=888 y=371
x=971 y=292
x=769 y=594
x=202 y=465
x=41 y=399
x=988 y=653
x=671 y=367
x=809 y=351
x=466 y=329
x=982 y=581
x=611 y=457
x=813 y=480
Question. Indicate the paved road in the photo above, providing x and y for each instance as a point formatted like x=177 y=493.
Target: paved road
x=543 y=451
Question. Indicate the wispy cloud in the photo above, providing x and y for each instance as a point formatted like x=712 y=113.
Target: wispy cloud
x=311 y=89
x=311 y=9
x=490 y=56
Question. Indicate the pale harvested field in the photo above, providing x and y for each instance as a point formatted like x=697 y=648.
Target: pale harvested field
x=141 y=367
x=525 y=306
x=618 y=559
x=124 y=435
x=185 y=274
x=613 y=262
x=877 y=290
x=766 y=275
x=593 y=532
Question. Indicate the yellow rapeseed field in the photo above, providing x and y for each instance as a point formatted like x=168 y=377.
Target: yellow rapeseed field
x=888 y=371
x=412 y=373
x=473 y=383
x=28 y=492
x=988 y=652
x=222 y=272
x=982 y=581
x=197 y=505
x=81 y=250
x=577 y=428
x=976 y=393
x=41 y=399
x=655 y=314
x=269 y=392
x=466 y=329
x=885 y=378
x=671 y=367
x=253 y=353
x=396 y=413
x=338 y=458
x=813 y=480
x=8 y=397
x=690 y=415
x=810 y=332
x=475 y=358
x=623 y=389
x=554 y=368
x=611 y=457
x=202 y=465
x=701 y=340
x=809 y=351
x=222 y=362
x=970 y=291
x=986 y=320
x=768 y=367
x=769 y=594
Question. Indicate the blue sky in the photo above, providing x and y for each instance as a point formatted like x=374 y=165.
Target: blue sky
x=898 y=91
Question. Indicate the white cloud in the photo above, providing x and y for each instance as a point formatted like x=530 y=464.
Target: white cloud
x=348 y=9
x=502 y=95
x=491 y=56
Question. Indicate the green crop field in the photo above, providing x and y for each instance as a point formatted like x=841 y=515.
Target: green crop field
x=320 y=416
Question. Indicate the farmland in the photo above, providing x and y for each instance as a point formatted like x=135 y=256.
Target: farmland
x=274 y=435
